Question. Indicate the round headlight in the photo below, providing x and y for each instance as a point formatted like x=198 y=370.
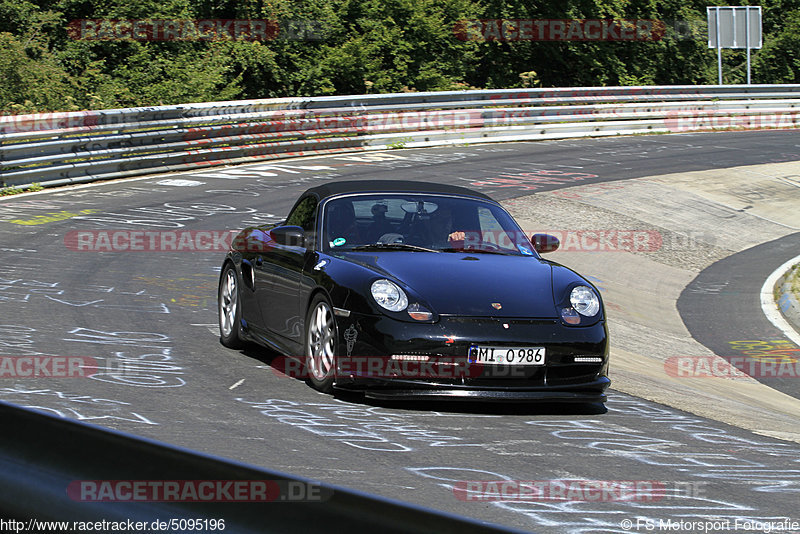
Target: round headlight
x=389 y=295
x=584 y=301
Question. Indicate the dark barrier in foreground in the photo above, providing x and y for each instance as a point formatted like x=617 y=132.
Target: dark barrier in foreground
x=54 y=469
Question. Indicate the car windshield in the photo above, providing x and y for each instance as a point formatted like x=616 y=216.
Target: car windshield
x=418 y=222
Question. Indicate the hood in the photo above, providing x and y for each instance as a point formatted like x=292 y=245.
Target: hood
x=456 y=283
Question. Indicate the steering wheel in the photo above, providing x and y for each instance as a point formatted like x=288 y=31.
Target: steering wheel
x=390 y=238
x=488 y=246
x=481 y=245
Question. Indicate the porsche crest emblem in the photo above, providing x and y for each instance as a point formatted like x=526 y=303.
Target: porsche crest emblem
x=496 y=305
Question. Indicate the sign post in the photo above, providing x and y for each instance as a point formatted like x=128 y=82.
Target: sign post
x=733 y=27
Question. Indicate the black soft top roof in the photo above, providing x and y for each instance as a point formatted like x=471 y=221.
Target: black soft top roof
x=390 y=186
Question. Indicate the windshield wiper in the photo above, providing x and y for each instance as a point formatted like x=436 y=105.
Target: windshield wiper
x=392 y=246
x=476 y=251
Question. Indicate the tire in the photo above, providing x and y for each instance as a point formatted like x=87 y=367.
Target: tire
x=320 y=345
x=230 y=308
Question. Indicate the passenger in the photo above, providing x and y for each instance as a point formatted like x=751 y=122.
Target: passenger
x=341 y=225
x=379 y=225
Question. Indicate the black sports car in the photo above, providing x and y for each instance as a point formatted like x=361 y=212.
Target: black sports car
x=406 y=289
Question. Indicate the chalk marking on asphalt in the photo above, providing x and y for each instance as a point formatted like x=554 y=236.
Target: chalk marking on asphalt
x=237 y=384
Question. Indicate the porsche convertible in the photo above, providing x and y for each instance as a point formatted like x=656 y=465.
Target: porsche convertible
x=400 y=289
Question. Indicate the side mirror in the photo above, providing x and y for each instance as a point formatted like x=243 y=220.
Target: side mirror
x=544 y=243
x=292 y=236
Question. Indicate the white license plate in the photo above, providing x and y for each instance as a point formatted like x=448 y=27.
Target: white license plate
x=506 y=355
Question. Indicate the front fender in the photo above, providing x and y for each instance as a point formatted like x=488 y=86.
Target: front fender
x=563 y=280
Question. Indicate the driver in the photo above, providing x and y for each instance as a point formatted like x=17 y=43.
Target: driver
x=441 y=226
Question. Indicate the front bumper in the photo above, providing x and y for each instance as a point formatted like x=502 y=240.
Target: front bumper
x=592 y=392
x=444 y=372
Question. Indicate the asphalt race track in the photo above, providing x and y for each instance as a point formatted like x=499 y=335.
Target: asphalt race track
x=700 y=306
x=149 y=320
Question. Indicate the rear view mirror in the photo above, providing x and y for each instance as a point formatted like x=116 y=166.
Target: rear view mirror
x=544 y=243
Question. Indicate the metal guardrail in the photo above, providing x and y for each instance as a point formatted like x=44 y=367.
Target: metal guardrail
x=40 y=480
x=62 y=148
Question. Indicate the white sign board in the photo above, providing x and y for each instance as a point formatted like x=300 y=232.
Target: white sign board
x=739 y=27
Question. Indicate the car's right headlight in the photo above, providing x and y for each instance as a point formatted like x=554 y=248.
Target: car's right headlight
x=584 y=301
x=389 y=295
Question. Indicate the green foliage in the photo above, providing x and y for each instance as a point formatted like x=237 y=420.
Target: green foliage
x=328 y=47
x=779 y=59
x=795 y=282
x=400 y=143
x=31 y=77
x=7 y=191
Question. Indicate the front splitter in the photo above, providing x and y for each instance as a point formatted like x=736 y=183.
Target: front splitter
x=480 y=395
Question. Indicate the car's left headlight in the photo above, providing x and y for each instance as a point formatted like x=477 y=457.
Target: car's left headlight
x=584 y=301
x=389 y=295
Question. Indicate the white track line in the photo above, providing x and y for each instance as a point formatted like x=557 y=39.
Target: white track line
x=770 y=307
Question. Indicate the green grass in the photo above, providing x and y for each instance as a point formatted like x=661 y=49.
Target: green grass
x=6 y=191
x=400 y=143
x=794 y=282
